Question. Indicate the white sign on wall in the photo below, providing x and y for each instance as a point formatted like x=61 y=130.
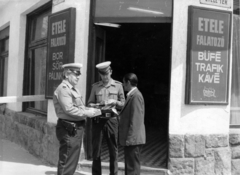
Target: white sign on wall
x=221 y=3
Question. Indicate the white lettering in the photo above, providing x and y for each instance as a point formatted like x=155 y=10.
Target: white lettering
x=57 y=56
x=55 y=75
x=210 y=25
x=209 y=56
x=210 y=41
x=58 y=27
x=60 y=41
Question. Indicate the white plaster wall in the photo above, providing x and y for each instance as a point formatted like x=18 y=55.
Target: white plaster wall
x=81 y=44
x=13 y=13
x=190 y=119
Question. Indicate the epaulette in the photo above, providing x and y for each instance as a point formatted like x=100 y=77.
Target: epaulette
x=118 y=82
x=64 y=86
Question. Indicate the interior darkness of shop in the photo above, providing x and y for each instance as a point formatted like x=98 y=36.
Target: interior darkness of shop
x=144 y=49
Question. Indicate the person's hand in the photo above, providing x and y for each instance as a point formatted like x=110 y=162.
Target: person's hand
x=94 y=105
x=112 y=102
x=91 y=105
x=103 y=103
x=92 y=112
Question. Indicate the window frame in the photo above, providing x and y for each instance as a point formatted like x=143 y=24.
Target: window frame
x=3 y=56
x=29 y=48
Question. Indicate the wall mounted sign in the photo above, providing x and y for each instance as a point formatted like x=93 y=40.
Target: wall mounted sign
x=208 y=53
x=61 y=46
x=220 y=3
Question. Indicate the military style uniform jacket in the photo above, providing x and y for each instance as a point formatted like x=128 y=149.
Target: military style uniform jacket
x=113 y=90
x=68 y=102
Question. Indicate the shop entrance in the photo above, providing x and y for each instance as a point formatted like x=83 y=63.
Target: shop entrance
x=143 y=49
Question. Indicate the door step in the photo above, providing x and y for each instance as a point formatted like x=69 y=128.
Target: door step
x=85 y=168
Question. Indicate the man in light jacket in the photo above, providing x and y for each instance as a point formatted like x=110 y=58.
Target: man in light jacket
x=132 y=134
x=71 y=113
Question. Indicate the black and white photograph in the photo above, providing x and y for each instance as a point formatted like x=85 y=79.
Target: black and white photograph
x=119 y=87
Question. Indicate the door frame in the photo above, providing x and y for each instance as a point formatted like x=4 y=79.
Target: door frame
x=91 y=72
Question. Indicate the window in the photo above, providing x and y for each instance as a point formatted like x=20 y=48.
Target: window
x=35 y=58
x=235 y=92
x=4 y=44
x=236 y=7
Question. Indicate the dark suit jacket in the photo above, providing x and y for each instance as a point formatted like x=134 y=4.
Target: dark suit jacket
x=131 y=125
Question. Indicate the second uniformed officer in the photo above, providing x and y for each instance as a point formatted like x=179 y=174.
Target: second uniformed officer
x=106 y=91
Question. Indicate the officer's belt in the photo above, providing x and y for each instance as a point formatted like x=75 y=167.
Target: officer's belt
x=107 y=116
x=77 y=123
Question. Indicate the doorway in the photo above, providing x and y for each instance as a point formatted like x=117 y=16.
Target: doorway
x=143 y=49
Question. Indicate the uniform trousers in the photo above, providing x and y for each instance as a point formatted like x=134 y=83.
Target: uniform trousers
x=107 y=128
x=69 y=150
x=132 y=159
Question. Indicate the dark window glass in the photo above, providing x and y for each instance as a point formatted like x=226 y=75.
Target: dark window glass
x=236 y=7
x=6 y=45
x=39 y=26
x=4 y=42
x=2 y=65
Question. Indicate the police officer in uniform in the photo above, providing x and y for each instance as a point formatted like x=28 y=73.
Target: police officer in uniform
x=71 y=114
x=106 y=91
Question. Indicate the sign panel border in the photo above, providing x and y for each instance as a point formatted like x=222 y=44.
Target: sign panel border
x=189 y=72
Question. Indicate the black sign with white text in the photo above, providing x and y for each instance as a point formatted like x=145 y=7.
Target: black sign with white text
x=61 y=46
x=208 y=56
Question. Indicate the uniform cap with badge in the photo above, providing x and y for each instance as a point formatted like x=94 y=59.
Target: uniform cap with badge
x=104 y=68
x=73 y=67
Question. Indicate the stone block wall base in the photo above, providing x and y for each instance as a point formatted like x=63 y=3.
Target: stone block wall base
x=32 y=132
x=180 y=166
x=234 y=140
x=199 y=154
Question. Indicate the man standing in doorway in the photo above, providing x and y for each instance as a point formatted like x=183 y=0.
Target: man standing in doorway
x=132 y=134
x=71 y=114
x=106 y=92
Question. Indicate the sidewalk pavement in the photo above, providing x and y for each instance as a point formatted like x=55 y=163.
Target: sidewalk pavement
x=15 y=160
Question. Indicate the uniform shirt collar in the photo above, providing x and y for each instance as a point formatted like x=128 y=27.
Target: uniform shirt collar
x=111 y=82
x=67 y=83
x=131 y=91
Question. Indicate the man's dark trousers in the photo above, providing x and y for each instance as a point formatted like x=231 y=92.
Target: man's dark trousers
x=132 y=159
x=69 y=149
x=107 y=128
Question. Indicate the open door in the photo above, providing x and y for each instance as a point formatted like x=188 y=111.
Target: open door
x=98 y=55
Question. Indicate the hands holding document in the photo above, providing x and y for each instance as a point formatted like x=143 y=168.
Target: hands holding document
x=93 y=112
x=109 y=102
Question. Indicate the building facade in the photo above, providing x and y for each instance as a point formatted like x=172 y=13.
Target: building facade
x=185 y=53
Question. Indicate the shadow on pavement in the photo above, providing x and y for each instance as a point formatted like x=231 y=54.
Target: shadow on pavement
x=51 y=172
x=55 y=173
x=11 y=152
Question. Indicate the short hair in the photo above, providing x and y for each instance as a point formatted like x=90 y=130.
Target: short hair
x=132 y=78
x=65 y=73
